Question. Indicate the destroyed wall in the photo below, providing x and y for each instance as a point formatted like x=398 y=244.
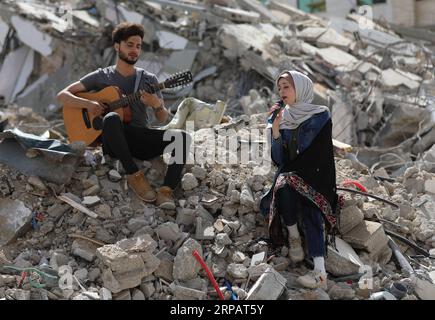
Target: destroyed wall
x=42 y=55
x=92 y=232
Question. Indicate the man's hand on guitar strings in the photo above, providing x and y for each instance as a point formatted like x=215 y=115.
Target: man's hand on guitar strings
x=150 y=99
x=96 y=108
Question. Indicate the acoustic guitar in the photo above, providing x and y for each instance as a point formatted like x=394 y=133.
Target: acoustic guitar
x=82 y=125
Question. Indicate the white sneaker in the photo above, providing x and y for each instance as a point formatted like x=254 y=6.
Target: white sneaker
x=313 y=280
x=296 y=252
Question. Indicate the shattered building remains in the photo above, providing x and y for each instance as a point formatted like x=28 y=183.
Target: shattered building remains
x=68 y=212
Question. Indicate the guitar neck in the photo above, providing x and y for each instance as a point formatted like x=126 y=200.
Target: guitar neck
x=134 y=97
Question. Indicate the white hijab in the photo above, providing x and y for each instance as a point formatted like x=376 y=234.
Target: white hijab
x=302 y=109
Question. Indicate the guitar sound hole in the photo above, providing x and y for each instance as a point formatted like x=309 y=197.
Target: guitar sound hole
x=85 y=116
x=97 y=123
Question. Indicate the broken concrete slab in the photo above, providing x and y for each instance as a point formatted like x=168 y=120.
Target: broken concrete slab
x=324 y=37
x=333 y=38
x=168 y=231
x=184 y=293
x=404 y=123
x=4 y=29
x=203 y=230
x=84 y=15
x=143 y=244
x=311 y=34
x=91 y=201
x=179 y=60
x=31 y=36
x=15 y=71
x=130 y=16
x=391 y=78
x=246 y=196
x=148 y=289
x=424 y=289
x=42 y=12
x=371 y=36
x=342 y=261
x=381 y=254
x=165 y=269
x=3 y=259
x=269 y=286
x=123 y=270
x=185 y=216
x=169 y=40
x=253 y=5
x=350 y=217
x=84 y=249
x=429 y=186
x=14 y=219
x=237 y=39
x=185 y=265
x=236 y=15
x=344 y=128
x=367 y=235
x=189 y=181
x=339 y=59
x=237 y=271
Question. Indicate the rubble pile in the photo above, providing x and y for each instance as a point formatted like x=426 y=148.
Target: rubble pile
x=374 y=80
x=121 y=248
x=82 y=234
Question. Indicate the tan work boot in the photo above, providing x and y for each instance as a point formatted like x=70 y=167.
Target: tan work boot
x=139 y=184
x=164 y=198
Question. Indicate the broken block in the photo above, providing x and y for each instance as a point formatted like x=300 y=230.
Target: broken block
x=367 y=235
x=185 y=265
x=343 y=261
x=84 y=249
x=168 y=231
x=14 y=217
x=350 y=217
x=269 y=286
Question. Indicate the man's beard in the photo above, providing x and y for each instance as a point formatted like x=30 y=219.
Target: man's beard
x=126 y=59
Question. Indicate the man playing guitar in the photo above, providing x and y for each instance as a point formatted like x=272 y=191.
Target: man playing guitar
x=123 y=140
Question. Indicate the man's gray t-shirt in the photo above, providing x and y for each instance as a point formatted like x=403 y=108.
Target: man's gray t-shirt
x=105 y=77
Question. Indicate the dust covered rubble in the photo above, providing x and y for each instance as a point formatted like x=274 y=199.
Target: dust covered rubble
x=137 y=251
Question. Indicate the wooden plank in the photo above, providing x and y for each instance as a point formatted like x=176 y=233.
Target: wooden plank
x=78 y=206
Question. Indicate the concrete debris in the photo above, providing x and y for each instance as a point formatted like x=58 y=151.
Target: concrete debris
x=269 y=286
x=342 y=260
x=184 y=293
x=185 y=265
x=15 y=217
x=127 y=262
x=78 y=217
x=367 y=235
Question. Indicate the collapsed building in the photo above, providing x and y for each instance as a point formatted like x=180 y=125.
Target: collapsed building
x=69 y=212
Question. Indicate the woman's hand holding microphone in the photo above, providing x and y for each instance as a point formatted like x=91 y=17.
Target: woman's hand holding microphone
x=277 y=120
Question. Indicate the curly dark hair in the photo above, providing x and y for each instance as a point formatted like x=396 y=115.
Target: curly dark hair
x=125 y=30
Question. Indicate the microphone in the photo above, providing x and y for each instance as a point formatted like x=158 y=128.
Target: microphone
x=275 y=113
